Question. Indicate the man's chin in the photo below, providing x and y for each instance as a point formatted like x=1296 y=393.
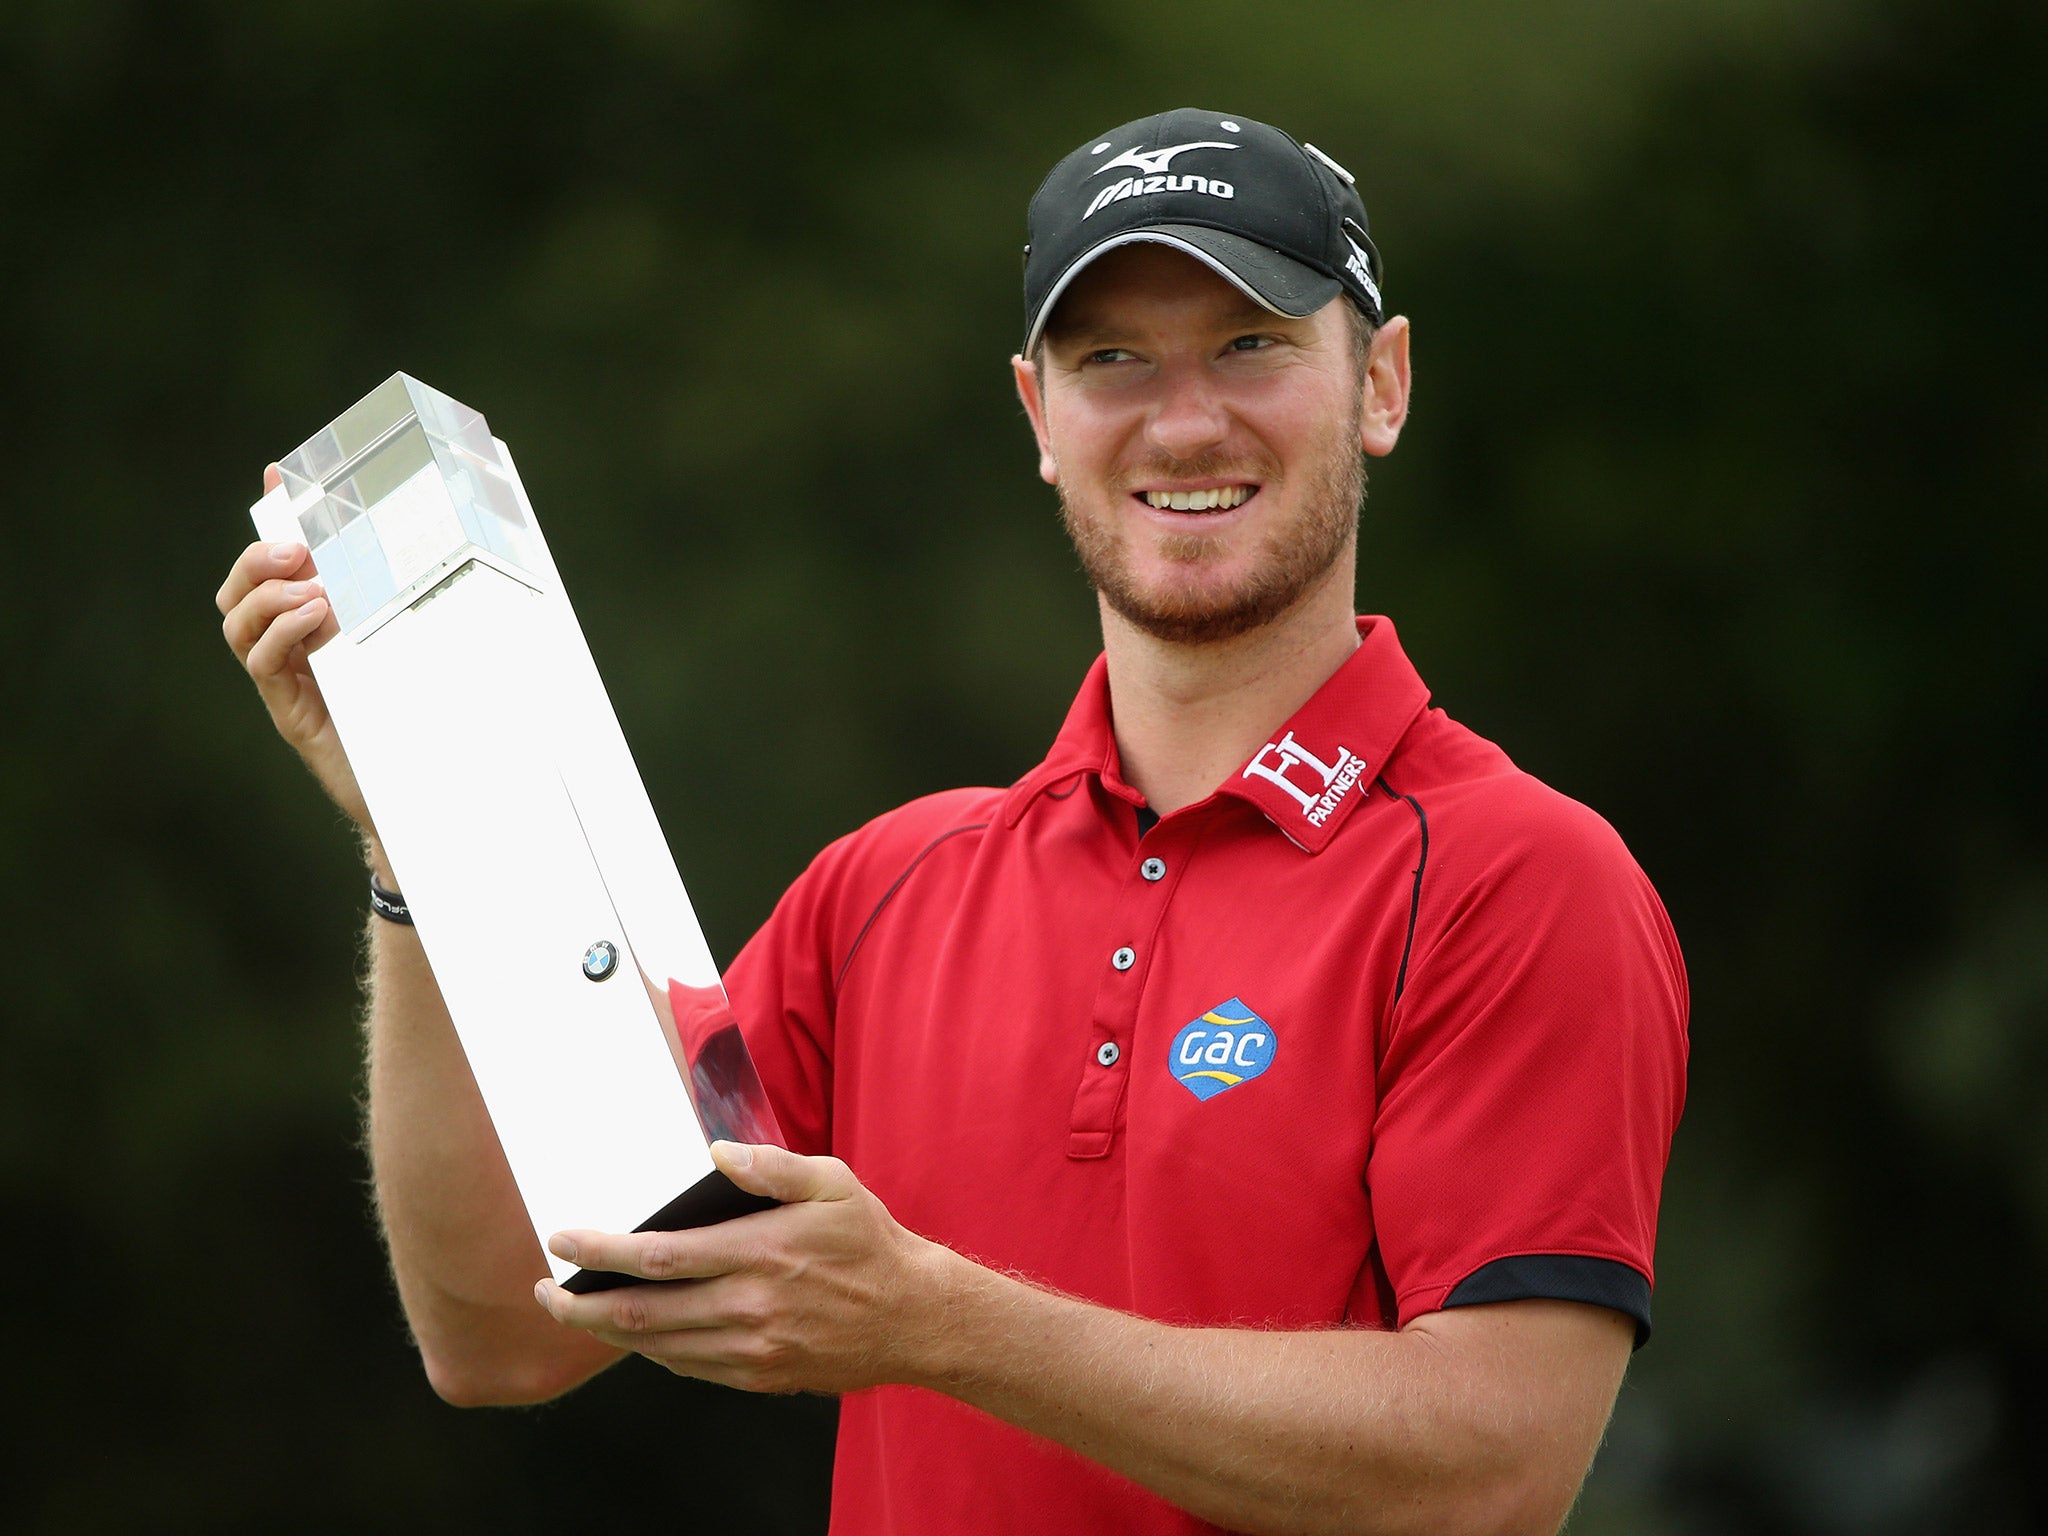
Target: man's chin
x=1190 y=619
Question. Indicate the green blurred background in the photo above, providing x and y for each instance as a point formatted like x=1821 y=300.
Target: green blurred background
x=1721 y=508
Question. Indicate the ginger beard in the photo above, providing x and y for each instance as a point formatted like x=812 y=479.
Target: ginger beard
x=1292 y=556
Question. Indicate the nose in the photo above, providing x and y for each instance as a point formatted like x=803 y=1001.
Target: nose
x=1189 y=418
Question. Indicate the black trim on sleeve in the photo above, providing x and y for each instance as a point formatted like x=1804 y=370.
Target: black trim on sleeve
x=890 y=894
x=1559 y=1277
x=1415 y=894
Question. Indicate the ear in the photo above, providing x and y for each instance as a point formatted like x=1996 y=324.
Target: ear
x=1386 y=388
x=1034 y=407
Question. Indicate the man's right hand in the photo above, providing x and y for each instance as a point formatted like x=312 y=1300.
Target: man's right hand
x=274 y=615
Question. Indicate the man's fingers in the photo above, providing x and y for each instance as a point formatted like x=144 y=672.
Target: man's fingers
x=783 y=1175
x=710 y=1329
x=634 y=1309
x=712 y=1353
x=256 y=617
x=725 y=1355
x=697 y=1254
x=273 y=477
x=272 y=652
x=257 y=564
x=728 y=1357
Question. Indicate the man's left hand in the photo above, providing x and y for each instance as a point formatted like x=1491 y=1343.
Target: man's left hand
x=821 y=1294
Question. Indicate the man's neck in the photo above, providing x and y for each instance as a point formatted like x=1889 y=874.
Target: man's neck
x=1187 y=716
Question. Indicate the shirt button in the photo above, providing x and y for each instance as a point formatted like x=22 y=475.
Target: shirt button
x=1124 y=958
x=1107 y=1053
x=1153 y=869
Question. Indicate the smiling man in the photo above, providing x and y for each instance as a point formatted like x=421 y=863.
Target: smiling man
x=1252 y=1117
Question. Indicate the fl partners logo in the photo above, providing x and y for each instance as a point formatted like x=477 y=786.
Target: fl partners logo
x=1226 y=1046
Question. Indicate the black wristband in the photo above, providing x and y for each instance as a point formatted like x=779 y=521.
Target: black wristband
x=389 y=905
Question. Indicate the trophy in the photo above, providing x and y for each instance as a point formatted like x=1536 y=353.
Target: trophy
x=544 y=893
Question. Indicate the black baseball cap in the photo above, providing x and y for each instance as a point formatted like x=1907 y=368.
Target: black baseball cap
x=1281 y=220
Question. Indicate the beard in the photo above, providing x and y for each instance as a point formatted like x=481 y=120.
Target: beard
x=1290 y=560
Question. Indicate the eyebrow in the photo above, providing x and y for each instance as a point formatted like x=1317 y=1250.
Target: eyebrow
x=1095 y=333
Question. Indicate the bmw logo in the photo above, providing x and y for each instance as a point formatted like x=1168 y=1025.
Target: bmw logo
x=600 y=960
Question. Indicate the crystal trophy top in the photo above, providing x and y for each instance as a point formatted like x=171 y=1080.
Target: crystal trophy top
x=402 y=489
x=558 y=928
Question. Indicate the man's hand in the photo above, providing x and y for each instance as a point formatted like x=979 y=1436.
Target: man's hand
x=274 y=615
x=1481 y=1419
x=827 y=1293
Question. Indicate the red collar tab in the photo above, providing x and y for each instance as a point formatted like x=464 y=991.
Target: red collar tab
x=1319 y=765
x=1085 y=744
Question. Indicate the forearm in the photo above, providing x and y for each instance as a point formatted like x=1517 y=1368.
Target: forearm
x=1338 y=1430
x=463 y=1251
x=1478 y=1420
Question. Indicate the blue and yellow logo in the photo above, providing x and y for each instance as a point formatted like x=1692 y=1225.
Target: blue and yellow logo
x=1226 y=1046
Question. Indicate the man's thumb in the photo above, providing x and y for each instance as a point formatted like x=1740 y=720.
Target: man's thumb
x=777 y=1173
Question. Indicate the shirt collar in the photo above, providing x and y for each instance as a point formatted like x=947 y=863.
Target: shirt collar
x=1305 y=780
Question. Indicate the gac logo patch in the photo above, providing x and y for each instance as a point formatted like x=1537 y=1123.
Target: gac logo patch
x=1226 y=1046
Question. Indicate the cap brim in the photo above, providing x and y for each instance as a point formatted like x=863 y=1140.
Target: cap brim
x=1275 y=282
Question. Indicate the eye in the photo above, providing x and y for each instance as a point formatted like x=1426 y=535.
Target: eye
x=1250 y=343
x=1108 y=355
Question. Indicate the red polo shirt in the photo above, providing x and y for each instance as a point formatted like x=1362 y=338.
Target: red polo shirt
x=1383 y=1025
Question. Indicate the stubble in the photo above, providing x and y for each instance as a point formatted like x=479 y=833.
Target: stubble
x=1290 y=561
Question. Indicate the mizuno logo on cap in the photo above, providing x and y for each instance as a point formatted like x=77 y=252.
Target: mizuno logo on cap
x=1360 y=268
x=1152 y=165
x=1156 y=162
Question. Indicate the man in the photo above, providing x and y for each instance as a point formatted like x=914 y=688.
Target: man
x=1265 y=1098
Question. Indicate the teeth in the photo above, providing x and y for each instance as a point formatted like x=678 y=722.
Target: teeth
x=1224 y=497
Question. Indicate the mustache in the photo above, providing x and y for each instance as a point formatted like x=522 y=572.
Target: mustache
x=1203 y=466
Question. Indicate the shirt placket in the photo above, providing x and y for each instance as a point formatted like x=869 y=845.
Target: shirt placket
x=1129 y=951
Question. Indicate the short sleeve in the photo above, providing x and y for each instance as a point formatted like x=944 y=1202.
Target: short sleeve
x=1532 y=1069
x=784 y=985
x=781 y=988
